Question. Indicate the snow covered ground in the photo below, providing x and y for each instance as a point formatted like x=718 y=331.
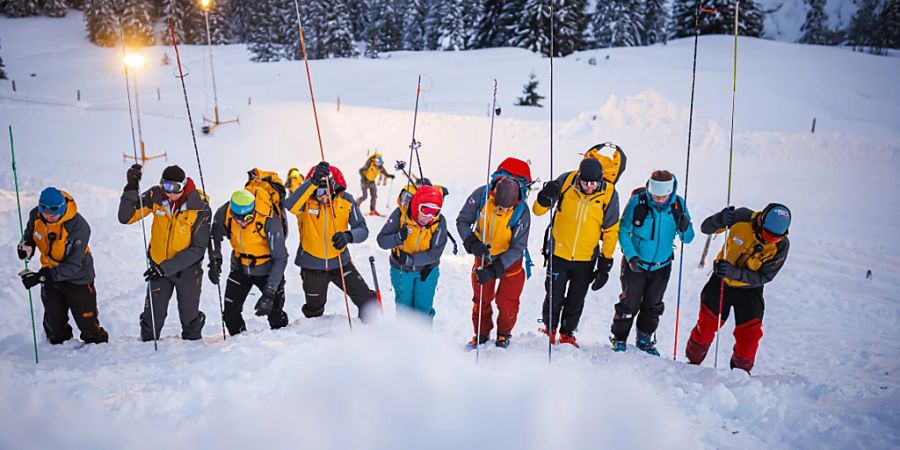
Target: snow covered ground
x=827 y=371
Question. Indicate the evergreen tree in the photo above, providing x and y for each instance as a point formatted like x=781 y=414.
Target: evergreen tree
x=219 y=22
x=55 y=8
x=239 y=15
x=272 y=31
x=100 y=18
x=358 y=19
x=2 y=72
x=570 y=23
x=433 y=17
x=77 y=4
x=334 y=33
x=815 y=29
x=889 y=24
x=415 y=31
x=720 y=22
x=656 y=19
x=530 y=96
x=509 y=21
x=492 y=31
x=384 y=27
x=137 y=23
x=458 y=26
x=532 y=30
x=20 y=8
x=187 y=20
x=618 y=23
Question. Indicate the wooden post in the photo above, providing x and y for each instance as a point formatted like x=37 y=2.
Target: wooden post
x=158 y=95
x=248 y=101
x=79 y=94
x=14 y=85
x=339 y=103
x=813 y=126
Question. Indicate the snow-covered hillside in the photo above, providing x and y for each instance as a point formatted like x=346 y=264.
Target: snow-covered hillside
x=827 y=371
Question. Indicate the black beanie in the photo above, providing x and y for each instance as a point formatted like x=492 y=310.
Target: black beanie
x=173 y=173
x=590 y=169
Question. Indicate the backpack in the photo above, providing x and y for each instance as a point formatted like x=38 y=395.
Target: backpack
x=639 y=215
x=270 y=194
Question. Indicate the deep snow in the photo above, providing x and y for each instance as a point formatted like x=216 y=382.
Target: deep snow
x=826 y=373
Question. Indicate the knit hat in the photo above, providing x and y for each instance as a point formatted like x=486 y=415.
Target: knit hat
x=242 y=202
x=52 y=200
x=506 y=193
x=777 y=219
x=173 y=173
x=590 y=169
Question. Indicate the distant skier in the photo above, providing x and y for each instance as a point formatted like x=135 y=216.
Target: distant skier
x=258 y=258
x=67 y=268
x=294 y=179
x=496 y=230
x=179 y=237
x=584 y=233
x=369 y=174
x=652 y=219
x=324 y=239
x=755 y=250
x=416 y=235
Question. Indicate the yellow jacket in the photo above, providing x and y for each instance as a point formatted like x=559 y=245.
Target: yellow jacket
x=507 y=243
x=758 y=260
x=584 y=222
x=63 y=244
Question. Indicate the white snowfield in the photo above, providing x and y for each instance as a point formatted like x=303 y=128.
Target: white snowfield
x=827 y=373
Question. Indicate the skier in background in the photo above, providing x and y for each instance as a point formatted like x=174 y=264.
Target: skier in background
x=294 y=179
x=369 y=174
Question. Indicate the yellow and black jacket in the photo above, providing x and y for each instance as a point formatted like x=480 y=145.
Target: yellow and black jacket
x=423 y=245
x=585 y=226
x=258 y=248
x=63 y=244
x=179 y=233
x=317 y=227
x=370 y=171
x=507 y=243
x=758 y=261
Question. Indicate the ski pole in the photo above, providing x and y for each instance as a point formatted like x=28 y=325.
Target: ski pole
x=187 y=107
x=375 y=280
x=387 y=201
x=487 y=188
x=140 y=197
x=312 y=98
x=12 y=153
x=737 y=4
x=551 y=332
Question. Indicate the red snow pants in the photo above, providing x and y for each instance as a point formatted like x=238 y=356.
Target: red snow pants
x=506 y=291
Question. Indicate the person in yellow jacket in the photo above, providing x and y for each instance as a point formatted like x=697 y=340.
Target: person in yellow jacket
x=755 y=250
x=369 y=172
x=294 y=179
x=67 y=268
x=323 y=253
x=582 y=239
x=179 y=237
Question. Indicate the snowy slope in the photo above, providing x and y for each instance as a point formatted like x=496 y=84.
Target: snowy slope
x=826 y=374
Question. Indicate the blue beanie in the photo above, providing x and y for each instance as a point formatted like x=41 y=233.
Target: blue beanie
x=52 y=197
x=777 y=219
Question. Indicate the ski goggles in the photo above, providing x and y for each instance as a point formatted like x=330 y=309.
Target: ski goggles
x=590 y=184
x=770 y=237
x=322 y=191
x=51 y=209
x=244 y=218
x=171 y=187
x=429 y=210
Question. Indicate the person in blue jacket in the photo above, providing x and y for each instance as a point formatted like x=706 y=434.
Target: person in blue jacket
x=653 y=217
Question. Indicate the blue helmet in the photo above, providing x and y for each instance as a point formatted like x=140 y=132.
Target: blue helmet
x=52 y=201
x=776 y=219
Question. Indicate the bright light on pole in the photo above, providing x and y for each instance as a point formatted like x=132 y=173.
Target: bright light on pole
x=205 y=4
x=134 y=60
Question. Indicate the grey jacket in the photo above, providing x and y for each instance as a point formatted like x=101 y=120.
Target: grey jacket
x=766 y=273
x=468 y=215
x=389 y=238
x=275 y=239
x=77 y=264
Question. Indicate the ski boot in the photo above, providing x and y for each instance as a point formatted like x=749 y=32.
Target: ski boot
x=646 y=342
x=374 y=213
x=543 y=330
x=476 y=341
x=617 y=345
x=568 y=338
x=503 y=340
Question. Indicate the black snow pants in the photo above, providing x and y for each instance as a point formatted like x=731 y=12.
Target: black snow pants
x=641 y=297
x=81 y=299
x=315 y=287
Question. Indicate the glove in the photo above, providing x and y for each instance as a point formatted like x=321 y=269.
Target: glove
x=31 y=279
x=548 y=194
x=24 y=250
x=725 y=269
x=423 y=274
x=475 y=246
x=215 y=268
x=403 y=233
x=341 y=239
x=392 y=176
x=601 y=275
x=634 y=264
x=321 y=172
x=487 y=273
x=154 y=273
x=728 y=216
x=265 y=303
x=133 y=177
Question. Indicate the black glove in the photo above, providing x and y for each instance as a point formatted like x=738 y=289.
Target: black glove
x=681 y=219
x=474 y=246
x=265 y=303
x=487 y=273
x=634 y=264
x=392 y=176
x=341 y=239
x=154 y=272
x=728 y=216
x=423 y=274
x=601 y=275
x=215 y=268
x=548 y=194
x=403 y=233
x=31 y=279
x=133 y=177
x=24 y=251
x=321 y=172
x=725 y=269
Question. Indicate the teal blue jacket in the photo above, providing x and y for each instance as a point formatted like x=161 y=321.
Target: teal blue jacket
x=652 y=241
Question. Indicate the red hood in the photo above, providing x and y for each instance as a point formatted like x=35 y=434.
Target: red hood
x=189 y=187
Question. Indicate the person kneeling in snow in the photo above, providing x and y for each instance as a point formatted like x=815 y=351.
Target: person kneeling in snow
x=258 y=258
x=755 y=249
x=179 y=237
x=416 y=235
x=653 y=218
x=67 y=268
x=329 y=220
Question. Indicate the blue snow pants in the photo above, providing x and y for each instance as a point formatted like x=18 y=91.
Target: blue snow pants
x=411 y=293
